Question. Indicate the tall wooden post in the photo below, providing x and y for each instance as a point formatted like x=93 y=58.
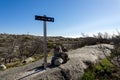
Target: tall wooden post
x=45 y=45
x=44 y=19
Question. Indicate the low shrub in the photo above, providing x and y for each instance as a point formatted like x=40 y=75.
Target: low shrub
x=100 y=71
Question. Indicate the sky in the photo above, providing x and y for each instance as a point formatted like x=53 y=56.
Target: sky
x=72 y=17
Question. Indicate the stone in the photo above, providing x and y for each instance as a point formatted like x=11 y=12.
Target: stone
x=2 y=66
x=58 y=61
x=30 y=59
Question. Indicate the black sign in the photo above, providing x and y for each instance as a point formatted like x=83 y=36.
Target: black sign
x=44 y=18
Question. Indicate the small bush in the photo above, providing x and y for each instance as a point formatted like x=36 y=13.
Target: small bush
x=1 y=52
x=101 y=71
x=89 y=75
x=14 y=64
x=1 y=45
x=50 y=45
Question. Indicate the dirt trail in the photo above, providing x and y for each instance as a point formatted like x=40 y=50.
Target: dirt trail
x=74 y=68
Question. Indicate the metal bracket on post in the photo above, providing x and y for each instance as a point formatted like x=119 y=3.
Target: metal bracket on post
x=44 y=19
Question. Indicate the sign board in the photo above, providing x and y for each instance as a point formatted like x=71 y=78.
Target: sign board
x=49 y=19
x=44 y=18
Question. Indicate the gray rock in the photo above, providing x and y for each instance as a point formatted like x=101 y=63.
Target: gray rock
x=30 y=59
x=2 y=66
x=57 y=62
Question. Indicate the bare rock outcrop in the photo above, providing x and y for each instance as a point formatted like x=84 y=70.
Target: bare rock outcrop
x=80 y=59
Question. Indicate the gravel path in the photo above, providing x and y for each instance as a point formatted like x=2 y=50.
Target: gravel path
x=73 y=68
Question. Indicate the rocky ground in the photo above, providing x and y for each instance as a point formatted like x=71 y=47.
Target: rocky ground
x=80 y=59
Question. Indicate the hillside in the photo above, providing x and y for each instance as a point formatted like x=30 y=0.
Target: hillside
x=80 y=59
x=17 y=48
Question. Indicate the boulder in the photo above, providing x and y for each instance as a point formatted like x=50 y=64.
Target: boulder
x=2 y=66
x=30 y=59
x=58 y=61
x=64 y=57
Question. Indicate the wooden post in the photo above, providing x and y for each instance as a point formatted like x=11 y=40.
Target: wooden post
x=45 y=45
x=44 y=19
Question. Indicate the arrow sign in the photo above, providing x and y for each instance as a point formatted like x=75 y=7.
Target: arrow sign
x=44 y=18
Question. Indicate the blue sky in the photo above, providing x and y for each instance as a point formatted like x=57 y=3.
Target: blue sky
x=72 y=17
